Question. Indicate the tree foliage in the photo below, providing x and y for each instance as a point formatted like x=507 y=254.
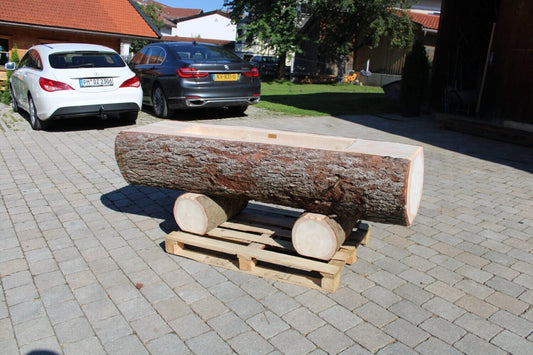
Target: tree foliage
x=153 y=12
x=346 y=25
x=274 y=24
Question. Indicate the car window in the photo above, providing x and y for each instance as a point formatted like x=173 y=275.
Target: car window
x=31 y=59
x=203 y=53
x=85 y=59
x=140 y=57
x=155 y=55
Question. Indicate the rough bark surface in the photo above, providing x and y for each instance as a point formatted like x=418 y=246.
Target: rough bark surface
x=366 y=186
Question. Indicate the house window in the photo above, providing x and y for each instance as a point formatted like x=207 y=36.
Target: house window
x=4 y=51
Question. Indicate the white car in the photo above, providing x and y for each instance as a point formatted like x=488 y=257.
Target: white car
x=63 y=80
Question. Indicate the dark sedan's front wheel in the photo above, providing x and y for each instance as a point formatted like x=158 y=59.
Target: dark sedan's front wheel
x=159 y=102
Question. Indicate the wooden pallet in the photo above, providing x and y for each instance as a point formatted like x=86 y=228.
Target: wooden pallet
x=260 y=244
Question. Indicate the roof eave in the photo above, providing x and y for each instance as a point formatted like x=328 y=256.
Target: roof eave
x=78 y=31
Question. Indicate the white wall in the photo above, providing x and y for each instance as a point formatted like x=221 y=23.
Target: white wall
x=212 y=26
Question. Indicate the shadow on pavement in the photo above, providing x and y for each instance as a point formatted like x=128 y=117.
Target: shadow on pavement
x=424 y=129
x=197 y=114
x=144 y=201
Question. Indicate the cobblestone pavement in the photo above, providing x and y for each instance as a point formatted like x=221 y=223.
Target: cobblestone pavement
x=77 y=243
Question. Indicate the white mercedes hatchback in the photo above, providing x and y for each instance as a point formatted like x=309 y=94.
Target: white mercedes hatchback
x=64 y=80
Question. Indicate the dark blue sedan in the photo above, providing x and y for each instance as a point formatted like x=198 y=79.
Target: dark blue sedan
x=184 y=75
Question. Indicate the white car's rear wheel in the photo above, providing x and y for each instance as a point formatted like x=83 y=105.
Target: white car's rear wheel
x=14 y=103
x=35 y=122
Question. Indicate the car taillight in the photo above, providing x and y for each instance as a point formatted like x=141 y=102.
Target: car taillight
x=52 y=85
x=191 y=73
x=253 y=73
x=133 y=82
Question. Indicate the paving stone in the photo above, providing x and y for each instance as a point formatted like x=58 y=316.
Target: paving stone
x=381 y=296
x=208 y=343
x=208 y=308
x=410 y=312
x=507 y=303
x=476 y=306
x=26 y=311
x=111 y=329
x=396 y=348
x=189 y=326
x=478 y=326
x=406 y=332
x=314 y=300
x=150 y=327
x=49 y=343
x=228 y=325
x=386 y=279
x=416 y=277
x=17 y=279
x=279 y=303
x=292 y=342
x=512 y=343
x=475 y=289
x=73 y=330
x=250 y=343
x=136 y=308
x=375 y=314
x=445 y=291
x=330 y=339
x=471 y=344
x=303 y=320
x=502 y=285
x=168 y=344
x=172 y=308
x=126 y=346
x=443 y=308
x=245 y=306
x=267 y=324
x=340 y=317
x=347 y=298
x=443 y=329
x=513 y=323
x=369 y=336
x=413 y=293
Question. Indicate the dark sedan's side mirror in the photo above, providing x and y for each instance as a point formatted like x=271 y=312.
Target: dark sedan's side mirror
x=10 y=66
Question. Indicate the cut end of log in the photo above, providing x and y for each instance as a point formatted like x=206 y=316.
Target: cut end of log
x=198 y=214
x=415 y=183
x=320 y=236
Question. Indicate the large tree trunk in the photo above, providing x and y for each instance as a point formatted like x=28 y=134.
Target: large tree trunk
x=370 y=180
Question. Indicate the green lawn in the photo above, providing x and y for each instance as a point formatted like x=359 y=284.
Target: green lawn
x=324 y=99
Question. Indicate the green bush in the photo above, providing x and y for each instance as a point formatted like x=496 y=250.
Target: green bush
x=6 y=95
x=415 y=80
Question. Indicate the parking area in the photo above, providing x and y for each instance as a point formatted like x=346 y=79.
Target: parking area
x=83 y=271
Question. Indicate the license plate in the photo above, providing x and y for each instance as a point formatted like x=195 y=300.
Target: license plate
x=227 y=77
x=94 y=82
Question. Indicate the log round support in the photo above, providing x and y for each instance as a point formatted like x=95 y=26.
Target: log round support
x=198 y=214
x=320 y=236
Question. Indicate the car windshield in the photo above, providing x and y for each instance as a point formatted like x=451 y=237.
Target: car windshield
x=203 y=53
x=85 y=59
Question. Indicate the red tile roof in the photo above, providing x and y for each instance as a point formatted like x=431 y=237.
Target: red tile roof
x=103 y=16
x=426 y=20
x=169 y=14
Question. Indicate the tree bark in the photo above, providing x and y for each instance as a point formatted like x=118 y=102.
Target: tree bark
x=370 y=180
